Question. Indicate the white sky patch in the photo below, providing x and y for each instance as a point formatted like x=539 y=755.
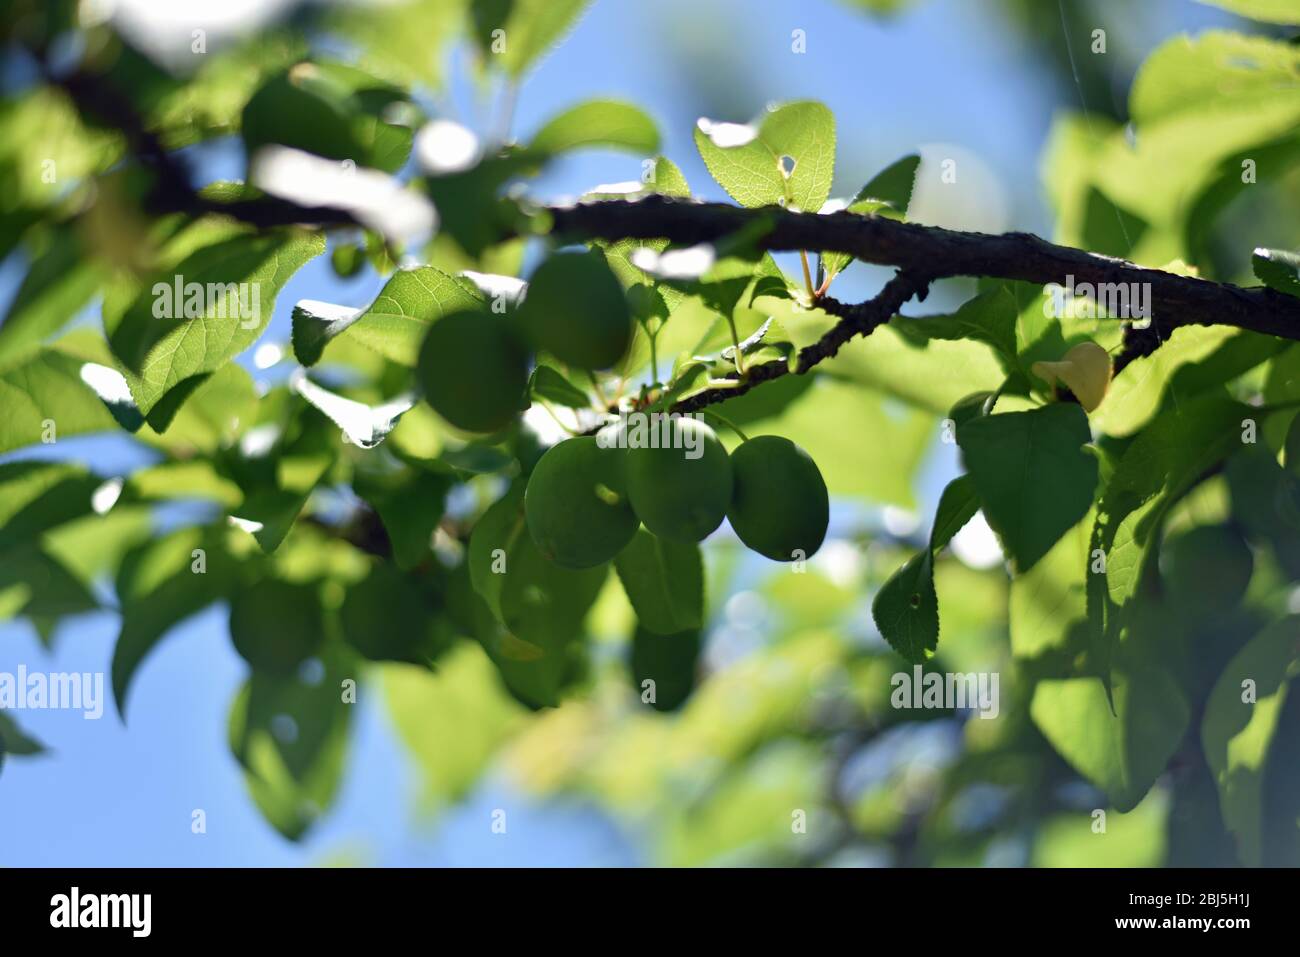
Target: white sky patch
x=690 y=263
x=840 y=561
x=267 y=354
x=109 y=384
x=363 y=425
x=727 y=135
x=899 y=522
x=259 y=440
x=444 y=146
x=164 y=29
x=619 y=189
x=975 y=545
x=540 y=421
x=509 y=288
x=247 y=524
x=833 y=206
x=106 y=496
x=378 y=200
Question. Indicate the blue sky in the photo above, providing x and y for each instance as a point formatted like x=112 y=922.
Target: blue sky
x=945 y=75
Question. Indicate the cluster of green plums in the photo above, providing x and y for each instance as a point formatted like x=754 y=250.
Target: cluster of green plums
x=587 y=496
x=474 y=363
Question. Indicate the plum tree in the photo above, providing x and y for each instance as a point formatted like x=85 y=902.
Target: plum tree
x=681 y=488
x=779 y=506
x=577 y=506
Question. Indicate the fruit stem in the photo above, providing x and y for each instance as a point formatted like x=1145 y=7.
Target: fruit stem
x=728 y=423
x=654 y=358
x=807 y=274
x=735 y=341
x=600 y=393
x=547 y=406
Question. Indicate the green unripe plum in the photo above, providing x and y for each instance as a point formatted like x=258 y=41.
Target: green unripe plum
x=1206 y=569
x=670 y=661
x=575 y=310
x=276 y=625
x=576 y=504
x=389 y=616
x=346 y=260
x=474 y=370
x=779 y=507
x=306 y=108
x=680 y=489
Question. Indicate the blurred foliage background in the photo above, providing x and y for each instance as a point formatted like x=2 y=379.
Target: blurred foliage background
x=786 y=750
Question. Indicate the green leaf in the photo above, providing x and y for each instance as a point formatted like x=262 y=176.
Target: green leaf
x=59 y=282
x=753 y=173
x=394 y=325
x=1249 y=745
x=531 y=28
x=161 y=583
x=1270 y=11
x=495 y=534
x=192 y=479
x=47 y=396
x=1048 y=607
x=290 y=736
x=604 y=123
x=214 y=415
x=1155 y=471
x=275 y=493
x=906 y=609
x=536 y=608
x=407 y=39
x=208 y=103
x=888 y=193
x=990 y=317
x=1034 y=478
x=36 y=496
x=1198 y=103
x=933 y=375
x=1278 y=269
x=957 y=506
x=410 y=503
x=165 y=358
x=44 y=146
x=38 y=585
x=664 y=581
x=13 y=740
x=882 y=470
x=364 y=426
x=549 y=384
x=453 y=721
x=1193 y=360
x=330 y=109
x=1121 y=753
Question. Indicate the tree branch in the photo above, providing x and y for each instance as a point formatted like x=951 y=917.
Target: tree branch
x=939 y=253
x=856 y=319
